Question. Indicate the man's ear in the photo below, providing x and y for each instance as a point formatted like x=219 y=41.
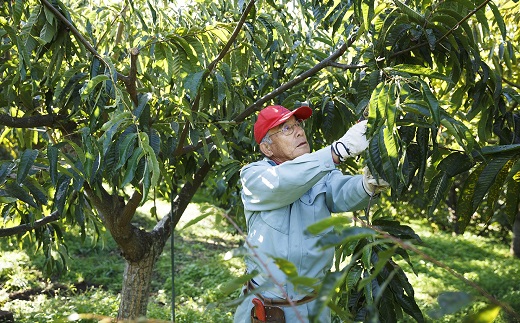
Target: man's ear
x=265 y=148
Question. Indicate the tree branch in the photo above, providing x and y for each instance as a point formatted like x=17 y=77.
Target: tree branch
x=329 y=61
x=163 y=228
x=48 y=120
x=130 y=208
x=211 y=67
x=128 y=80
x=131 y=80
x=510 y=83
x=23 y=228
x=346 y=66
x=449 y=32
x=72 y=29
x=300 y=78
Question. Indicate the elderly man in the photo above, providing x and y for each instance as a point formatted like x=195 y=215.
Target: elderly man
x=283 y=194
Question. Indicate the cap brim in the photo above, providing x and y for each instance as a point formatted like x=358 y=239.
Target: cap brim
x=301 y=113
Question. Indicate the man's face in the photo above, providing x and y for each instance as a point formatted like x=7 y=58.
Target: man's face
x=286 y=147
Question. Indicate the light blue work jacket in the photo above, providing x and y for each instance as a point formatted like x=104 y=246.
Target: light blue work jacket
x=280 y=202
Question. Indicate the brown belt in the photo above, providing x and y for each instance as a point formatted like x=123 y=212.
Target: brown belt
x=278 y=302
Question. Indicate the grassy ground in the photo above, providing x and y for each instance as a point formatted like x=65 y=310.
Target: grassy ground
x=203 y=266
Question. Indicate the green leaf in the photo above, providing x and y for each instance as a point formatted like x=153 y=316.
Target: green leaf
x=486 y=179
x=286 y=266
x=512 y=200
x=433 y=104
x=143 y=100
x=382 y=258
x=487 y=314
x=322 y=225
x=17 y=191
x=498 y=19
x=60 y=197
x=455 y=163
x=26 y=162
x=132 y=164
x=451 y=302
x=91 y=85
x=219 y=141
x=419 y=70
x=36 y=190
x=116 y=118
x=465 y=209
x=346 y=235
x=125 y=147
x=193 y=81
x=151 y=160
x=412 y=14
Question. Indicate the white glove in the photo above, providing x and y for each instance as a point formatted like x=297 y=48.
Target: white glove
x=372 y=185
x=353 y=142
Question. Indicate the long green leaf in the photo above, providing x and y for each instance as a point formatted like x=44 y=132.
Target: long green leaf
x=91 y=85
x=486 y=179
x=20 y=193
x=433 y=104
x=438 y=189
x=455 y=163
x=132 y=166
x=419 y=70
x=465 y=209
x=512 y=200
x=26 y=162
x=498 y=19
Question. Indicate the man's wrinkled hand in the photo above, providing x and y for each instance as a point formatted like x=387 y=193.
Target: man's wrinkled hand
x=353 y=142
x=372 y=185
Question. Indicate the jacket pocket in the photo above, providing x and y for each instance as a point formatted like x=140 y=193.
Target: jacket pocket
x=314 y=209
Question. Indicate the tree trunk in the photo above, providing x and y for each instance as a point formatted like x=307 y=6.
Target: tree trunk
x=515 y=241
x=136 y=288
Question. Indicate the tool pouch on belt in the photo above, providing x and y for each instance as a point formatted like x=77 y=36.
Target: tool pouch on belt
x=273 y=314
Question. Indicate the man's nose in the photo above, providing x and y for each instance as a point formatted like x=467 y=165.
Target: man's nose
x=299 y=131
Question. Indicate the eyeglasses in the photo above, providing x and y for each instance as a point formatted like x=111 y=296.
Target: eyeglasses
x=288 y=129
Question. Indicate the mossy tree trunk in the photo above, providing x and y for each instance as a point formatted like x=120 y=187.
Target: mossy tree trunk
x=140 y=248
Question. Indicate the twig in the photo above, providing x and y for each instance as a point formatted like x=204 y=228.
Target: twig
x=449 y=32
x=54 y=216
x=429 y=258
x=265 y=267
x=211 y=67
x=82 y=39
x=513 y=84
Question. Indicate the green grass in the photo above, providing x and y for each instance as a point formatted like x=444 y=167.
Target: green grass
x=203 y=266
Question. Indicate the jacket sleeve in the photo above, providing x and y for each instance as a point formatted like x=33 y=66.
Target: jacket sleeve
x=269 y=187
x=345 y=192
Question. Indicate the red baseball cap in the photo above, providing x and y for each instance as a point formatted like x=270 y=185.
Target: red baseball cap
x=275 y=115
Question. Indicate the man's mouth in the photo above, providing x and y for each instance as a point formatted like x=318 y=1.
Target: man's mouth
x=302 y=144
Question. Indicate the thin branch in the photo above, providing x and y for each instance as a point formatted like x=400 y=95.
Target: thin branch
x=265 y=267
x=130 y=208
x=85 y=42
x=23 y=228
x=511 y=83
x=211 y=66
x=284 y=87
x=427 y=257
x=449 y=32
x=48 y=120
x=72 y=29
x=346 y=66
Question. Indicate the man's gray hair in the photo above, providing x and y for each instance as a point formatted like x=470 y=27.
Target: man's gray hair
x=267 y=140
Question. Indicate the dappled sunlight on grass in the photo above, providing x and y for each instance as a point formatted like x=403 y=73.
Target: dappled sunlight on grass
x=482 y=260
x=204 y=264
